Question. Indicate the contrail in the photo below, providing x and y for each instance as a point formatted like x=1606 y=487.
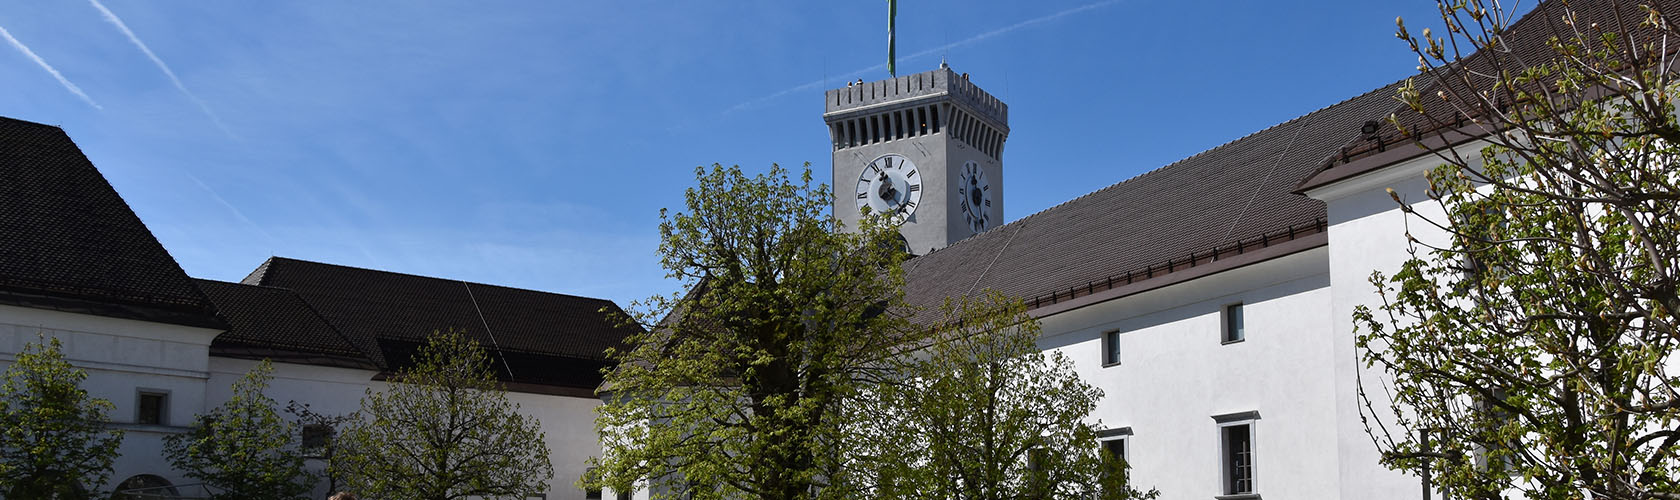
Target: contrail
x=112 y=18
x=966 y=41
x=231 y=208
x=43 y=63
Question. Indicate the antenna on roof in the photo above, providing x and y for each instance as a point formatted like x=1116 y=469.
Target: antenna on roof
x=493 y=342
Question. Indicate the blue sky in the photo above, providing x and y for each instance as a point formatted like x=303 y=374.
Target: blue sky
x=532 y=144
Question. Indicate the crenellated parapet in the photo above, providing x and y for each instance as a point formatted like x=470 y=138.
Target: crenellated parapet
x=942 y=82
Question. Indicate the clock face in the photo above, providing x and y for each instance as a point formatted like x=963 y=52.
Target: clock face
x=890 y=185
x=974 y=194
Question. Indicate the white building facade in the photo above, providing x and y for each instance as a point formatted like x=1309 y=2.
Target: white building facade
x=77 y=265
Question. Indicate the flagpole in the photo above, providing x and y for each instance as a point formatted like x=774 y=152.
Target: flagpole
x=892 y=38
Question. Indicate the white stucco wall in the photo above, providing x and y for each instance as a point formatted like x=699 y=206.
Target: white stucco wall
x=1368 y=233
x=567 y=422
x=121 y=357
x=1175 y=375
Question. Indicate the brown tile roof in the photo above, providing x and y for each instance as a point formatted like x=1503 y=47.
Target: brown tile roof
x=544 y=338
x=1528 y=40
x=1232 y=198
x=71 y=243
x=275 y=323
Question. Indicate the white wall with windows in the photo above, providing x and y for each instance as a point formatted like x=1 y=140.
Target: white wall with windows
x=567 y=422
x=128 y=363
x=133 y=363
x=1232 y=366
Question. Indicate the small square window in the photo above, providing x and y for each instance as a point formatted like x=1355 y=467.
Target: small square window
x=1233 y=323
x=153 y=408
x=1111 y=347
x=315 y=439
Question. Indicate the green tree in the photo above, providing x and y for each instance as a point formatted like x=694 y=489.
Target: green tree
x=983 y=414
x=1529 y=342
x=243 y=449
x=54 y=443
x=735 y=387
x=443 y=429
x=325 y=428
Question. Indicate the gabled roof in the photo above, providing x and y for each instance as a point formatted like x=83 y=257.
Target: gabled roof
x=542 y=337
x=69 y=242
x=1222 y=202
x=275 y=323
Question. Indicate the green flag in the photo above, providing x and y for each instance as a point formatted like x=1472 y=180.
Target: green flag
x=892 y=41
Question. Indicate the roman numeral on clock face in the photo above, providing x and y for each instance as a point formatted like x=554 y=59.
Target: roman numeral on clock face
x=915 y=187
x=863 y=196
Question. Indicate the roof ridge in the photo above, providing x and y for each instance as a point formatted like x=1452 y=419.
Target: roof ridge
x=241 y=283
x=439 y=278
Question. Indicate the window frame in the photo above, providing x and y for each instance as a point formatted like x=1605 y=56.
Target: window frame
x=326 y=433
x=140 y=394
x=1110 y=348
x=1225 y=323
x=1122 y=435
x=1227 y=488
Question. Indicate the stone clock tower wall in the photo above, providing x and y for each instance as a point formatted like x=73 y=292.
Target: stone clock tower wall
x=940 y=121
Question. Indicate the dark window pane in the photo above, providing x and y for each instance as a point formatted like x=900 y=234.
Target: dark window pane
x=1116 y=448
x=151 y=408
x=315 y=436
x=1233 y=322
x=1239 y=460
x=1111 y=348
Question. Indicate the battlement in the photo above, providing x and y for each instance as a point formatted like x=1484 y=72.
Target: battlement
x=927 y=84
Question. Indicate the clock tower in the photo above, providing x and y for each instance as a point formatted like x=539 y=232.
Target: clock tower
x=927 y=148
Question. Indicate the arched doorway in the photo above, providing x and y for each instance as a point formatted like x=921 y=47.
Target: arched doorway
x=145 y=487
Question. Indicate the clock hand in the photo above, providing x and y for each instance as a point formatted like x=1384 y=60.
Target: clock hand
x=886 y=191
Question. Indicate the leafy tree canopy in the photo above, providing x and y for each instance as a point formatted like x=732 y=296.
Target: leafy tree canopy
x=54 y=443
x=442 y=430
x=243 y=449
x=1529 y=342
x=735 y=388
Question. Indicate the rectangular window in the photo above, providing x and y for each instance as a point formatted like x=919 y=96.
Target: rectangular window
x=1233 y=323
x=1239 y=459
x=315 y=439
x=1236 y=453
x=1111 y=347
x=153 y=408
x=1116 y=449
